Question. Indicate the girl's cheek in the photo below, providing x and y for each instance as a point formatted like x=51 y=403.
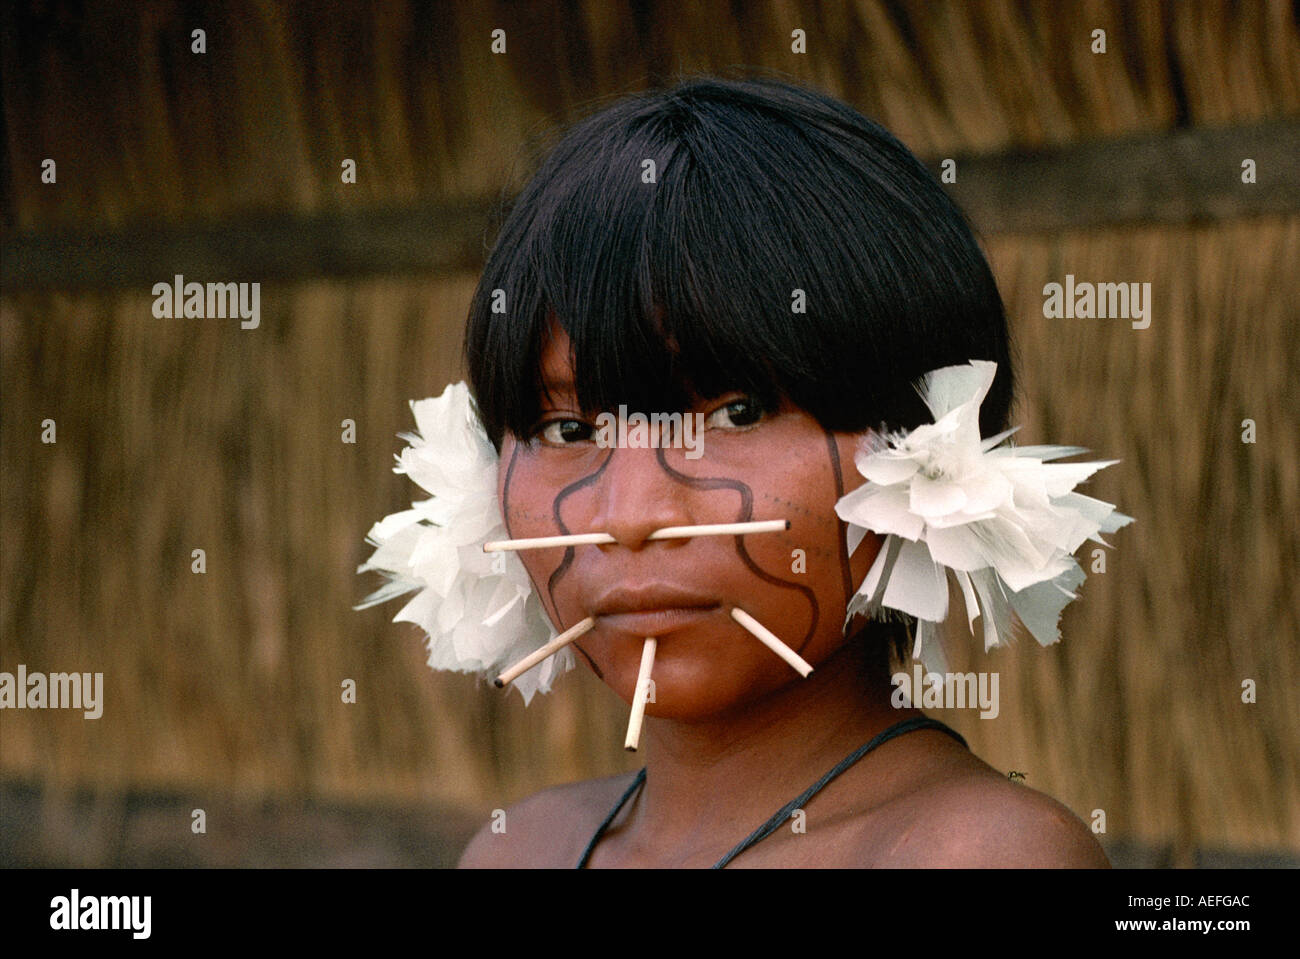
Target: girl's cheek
x=522 y=488
x=527 y=506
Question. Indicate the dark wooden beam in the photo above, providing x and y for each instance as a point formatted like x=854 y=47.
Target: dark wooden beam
x=446 y=237
x=1184 y=176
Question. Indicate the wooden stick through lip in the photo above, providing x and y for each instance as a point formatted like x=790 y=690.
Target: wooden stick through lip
x=537 y=655
x=769 y=639
x=639 y=697
x=668 y=532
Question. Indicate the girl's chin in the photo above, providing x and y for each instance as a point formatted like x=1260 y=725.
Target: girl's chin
x=694 y=688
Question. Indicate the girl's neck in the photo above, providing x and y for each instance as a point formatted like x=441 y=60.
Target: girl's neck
x=705 y=778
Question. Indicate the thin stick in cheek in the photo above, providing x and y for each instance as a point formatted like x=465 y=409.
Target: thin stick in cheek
x=772 y=642
x=550 y=649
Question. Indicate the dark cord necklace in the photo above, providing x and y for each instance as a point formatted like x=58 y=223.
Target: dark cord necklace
x=783 y=814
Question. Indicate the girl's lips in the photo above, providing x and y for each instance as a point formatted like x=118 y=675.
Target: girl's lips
x=656 y=622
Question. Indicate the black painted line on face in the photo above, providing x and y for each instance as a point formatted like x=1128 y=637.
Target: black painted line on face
x=567 y=561
x=746 y=514
x=569 y=490
x=505 y=489
x=568 y=550
x=704 y=484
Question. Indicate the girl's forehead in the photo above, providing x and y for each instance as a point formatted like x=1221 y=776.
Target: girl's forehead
x=557 y=362
x=560 y=373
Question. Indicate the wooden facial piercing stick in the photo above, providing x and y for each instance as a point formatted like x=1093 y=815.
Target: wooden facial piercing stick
x=641 y=694
x=768 y=639
x=550 y=649
x=668 y=532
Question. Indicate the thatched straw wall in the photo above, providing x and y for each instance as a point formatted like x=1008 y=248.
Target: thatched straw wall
x=180 y=434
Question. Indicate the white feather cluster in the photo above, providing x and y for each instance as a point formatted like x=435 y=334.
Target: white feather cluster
x=479 y=610
x=999 y=519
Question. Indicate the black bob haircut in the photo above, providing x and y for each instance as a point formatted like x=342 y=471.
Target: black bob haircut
x=682 y=288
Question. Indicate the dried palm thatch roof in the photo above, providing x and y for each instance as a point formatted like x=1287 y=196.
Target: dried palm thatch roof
x=173 y=436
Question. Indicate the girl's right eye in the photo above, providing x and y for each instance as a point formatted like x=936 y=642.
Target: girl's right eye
x=564 y=432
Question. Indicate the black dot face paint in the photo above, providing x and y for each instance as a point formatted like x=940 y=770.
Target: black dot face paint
x=833 y=449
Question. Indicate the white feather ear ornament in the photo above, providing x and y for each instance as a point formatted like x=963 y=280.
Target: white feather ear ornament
x=479 y=611
x=999 y=519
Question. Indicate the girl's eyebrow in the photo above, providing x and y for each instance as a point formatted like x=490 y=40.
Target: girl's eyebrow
x=557 y=377
x=557 y=390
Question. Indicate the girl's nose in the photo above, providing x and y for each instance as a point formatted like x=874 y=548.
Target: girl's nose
x=635 y=496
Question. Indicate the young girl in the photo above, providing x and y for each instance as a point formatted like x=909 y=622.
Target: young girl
x=782 y=272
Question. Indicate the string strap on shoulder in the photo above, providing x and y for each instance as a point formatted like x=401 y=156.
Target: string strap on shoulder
x=783 y=814
x=636 y=784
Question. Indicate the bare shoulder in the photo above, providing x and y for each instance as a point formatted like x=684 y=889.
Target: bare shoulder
x=546 y=830
x=982 y=820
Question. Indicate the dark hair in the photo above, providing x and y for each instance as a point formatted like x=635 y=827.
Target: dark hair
x=682 y=288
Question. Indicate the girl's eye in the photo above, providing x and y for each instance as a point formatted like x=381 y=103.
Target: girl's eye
x=745 y=411
x=565 y=432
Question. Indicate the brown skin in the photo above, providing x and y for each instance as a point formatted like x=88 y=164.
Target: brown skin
x=734 y=733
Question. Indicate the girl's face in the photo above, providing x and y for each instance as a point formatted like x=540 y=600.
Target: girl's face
x=750 y=464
